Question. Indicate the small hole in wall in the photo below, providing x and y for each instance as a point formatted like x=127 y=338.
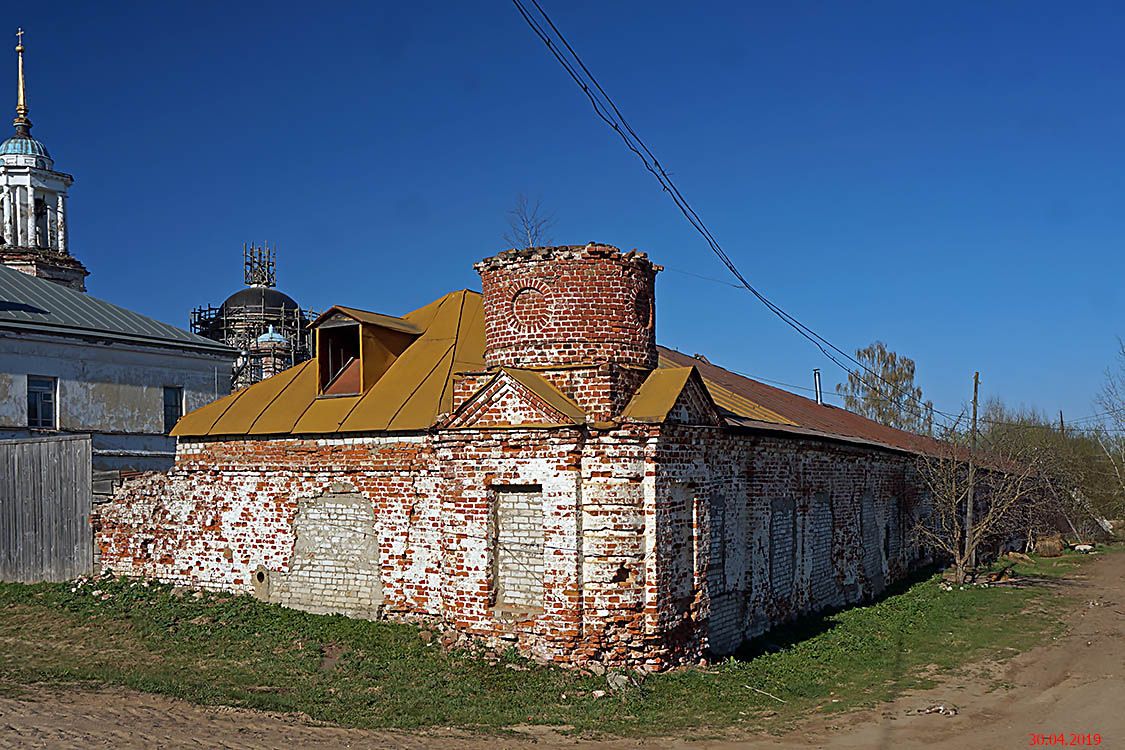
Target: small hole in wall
x=261 y=583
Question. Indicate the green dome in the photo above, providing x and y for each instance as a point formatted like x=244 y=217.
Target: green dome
x=20 y=145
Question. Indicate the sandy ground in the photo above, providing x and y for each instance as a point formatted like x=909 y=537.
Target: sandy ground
x=1075 y=684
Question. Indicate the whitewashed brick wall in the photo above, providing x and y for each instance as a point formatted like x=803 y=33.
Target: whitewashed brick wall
x=335 y=562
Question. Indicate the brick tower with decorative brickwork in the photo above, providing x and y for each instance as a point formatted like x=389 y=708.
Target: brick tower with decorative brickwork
x=584 y=316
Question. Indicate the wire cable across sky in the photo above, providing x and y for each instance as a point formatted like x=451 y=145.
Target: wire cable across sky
x=608 y=111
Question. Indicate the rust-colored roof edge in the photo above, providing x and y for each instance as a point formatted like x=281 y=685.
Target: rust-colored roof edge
x=717 y=391
x=754 y=425
x=824 y=420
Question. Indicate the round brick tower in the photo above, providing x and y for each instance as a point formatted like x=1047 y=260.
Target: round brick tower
x=564 y=306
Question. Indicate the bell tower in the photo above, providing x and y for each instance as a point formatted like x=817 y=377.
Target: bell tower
x=33 y=202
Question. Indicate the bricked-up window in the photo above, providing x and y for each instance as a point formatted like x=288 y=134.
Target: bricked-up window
x=335 y=562
x=680 y=556
x=783 y=546
x=173 y=406
x=736 y=545
x=728 y=560
x=518 y=546
x=41 y=401
x=337 y=356
x=718 y=530
x=872 y=534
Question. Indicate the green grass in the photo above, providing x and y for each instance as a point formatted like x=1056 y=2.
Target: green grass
x=235 y=650
x=1056 y=567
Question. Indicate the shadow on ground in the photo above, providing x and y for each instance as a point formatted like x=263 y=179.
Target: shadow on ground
x=803 y=628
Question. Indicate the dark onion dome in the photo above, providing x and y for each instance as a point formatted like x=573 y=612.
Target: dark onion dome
x=260 y=297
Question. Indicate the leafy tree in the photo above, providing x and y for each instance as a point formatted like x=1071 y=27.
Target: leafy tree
x=884 y=391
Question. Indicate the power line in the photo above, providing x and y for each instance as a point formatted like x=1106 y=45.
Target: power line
x=1076 y=421
x=701 y=276
x=608 y=111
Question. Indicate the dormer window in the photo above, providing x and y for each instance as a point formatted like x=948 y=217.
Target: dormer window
x=354 y=348
x=337 y=354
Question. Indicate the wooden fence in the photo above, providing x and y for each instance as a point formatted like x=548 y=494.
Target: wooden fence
x=45 y=498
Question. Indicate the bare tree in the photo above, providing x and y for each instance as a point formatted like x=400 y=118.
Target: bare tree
x=1075 y=456
x=1013 y=498
x=1110 y=434
x=884 y=390
x=528 y=225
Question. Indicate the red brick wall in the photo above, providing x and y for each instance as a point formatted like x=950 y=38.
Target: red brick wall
x=749 y=574
x=658 y=541
x=569 y=305
x=227 y=510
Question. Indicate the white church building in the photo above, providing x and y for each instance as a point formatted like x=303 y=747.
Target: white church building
x=72 y=364
x=33 y=195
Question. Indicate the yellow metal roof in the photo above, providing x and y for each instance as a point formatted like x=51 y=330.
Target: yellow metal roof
x=414 y=390
x=658 y=394
x=417 y=386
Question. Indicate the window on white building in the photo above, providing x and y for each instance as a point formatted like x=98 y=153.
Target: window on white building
x=173 y=406
x=41 y=401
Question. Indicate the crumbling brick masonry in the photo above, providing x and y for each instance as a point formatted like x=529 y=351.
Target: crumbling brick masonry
x=565 y=489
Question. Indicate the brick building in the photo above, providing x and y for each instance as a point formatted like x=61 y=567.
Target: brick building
x=527 y=466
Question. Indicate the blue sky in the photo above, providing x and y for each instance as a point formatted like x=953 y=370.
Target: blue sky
x=947 y=177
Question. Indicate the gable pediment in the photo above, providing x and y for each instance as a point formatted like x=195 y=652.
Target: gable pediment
x=516 y=398
x=673 y=395
x=694 y=405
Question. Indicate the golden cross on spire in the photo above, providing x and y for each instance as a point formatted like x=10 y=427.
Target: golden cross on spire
x=21 y=122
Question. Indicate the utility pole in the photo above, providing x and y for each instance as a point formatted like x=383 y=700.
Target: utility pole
x=1062 y=424
x=971 y=554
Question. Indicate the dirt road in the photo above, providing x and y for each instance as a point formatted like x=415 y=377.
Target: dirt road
x=1073 y=686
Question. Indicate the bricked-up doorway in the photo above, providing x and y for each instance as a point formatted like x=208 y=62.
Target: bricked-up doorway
x=727 y=573
x=679 y=577
x=518 y=547
x=335 y=563
x=872 y=532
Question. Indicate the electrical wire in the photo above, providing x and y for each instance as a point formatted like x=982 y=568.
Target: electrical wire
x=611 y=115
x=608 y=111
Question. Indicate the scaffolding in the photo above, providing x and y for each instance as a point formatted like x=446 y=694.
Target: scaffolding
x=269 y=329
